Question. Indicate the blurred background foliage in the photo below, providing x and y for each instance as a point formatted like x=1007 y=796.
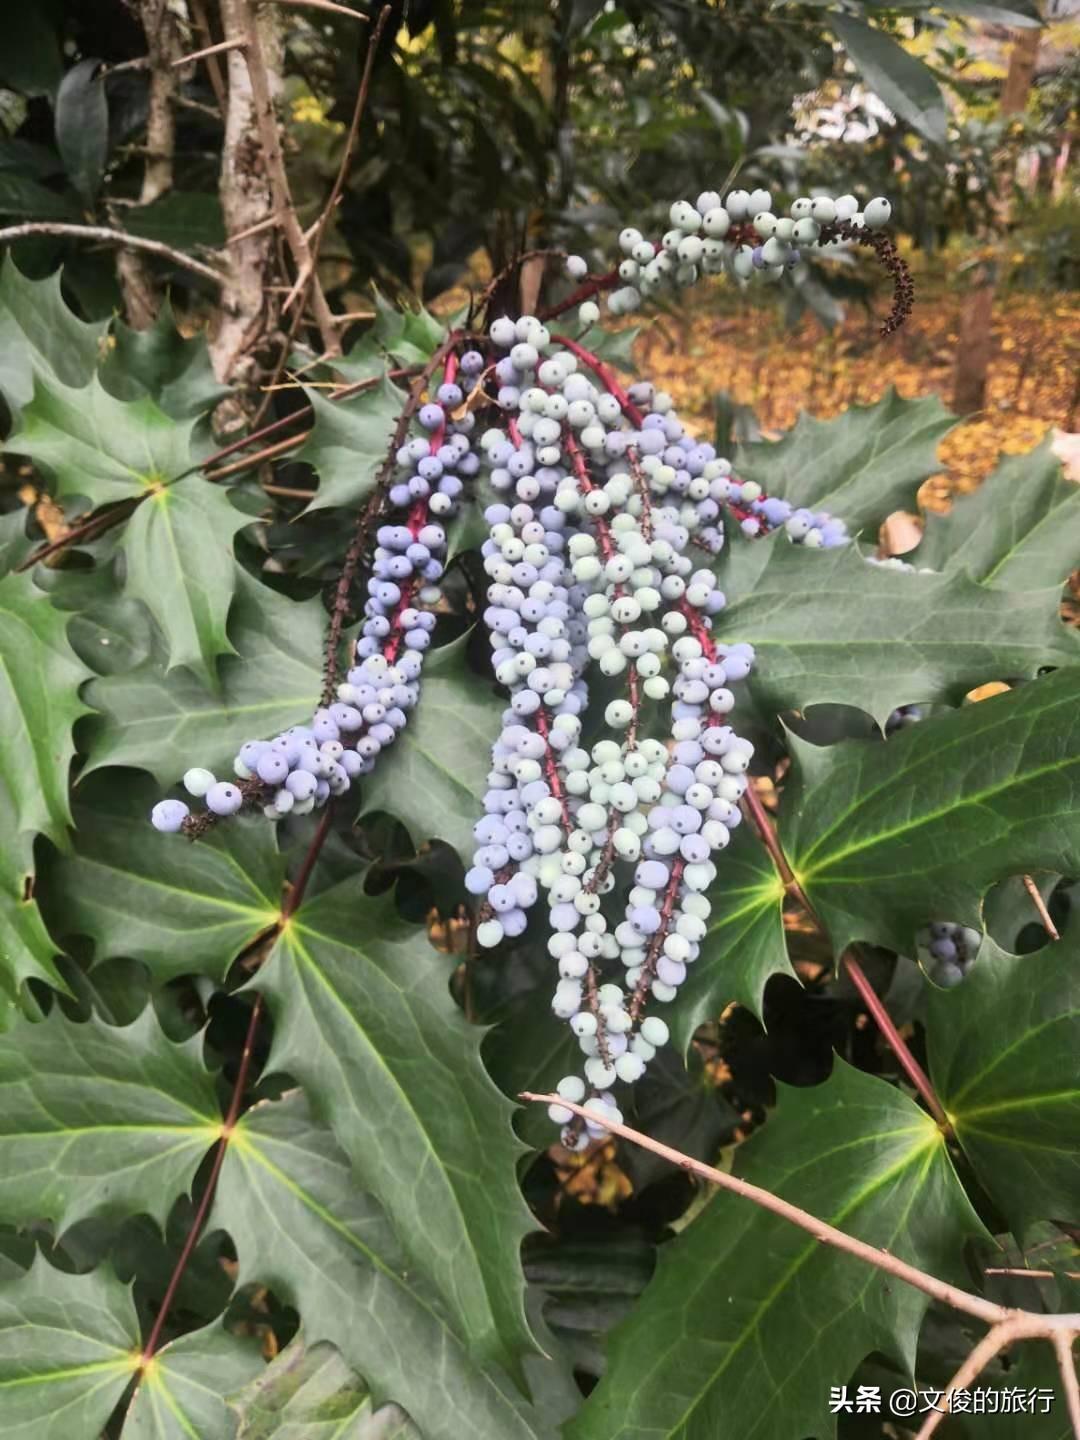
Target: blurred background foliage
x=497 y=127
x=504 y=125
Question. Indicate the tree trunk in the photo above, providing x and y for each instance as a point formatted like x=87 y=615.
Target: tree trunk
x=975 y=343
x=247 y=311
x=141 y=294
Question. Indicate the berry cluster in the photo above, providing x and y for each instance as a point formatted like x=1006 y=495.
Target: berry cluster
x=305 y=766
x=589 y=566
x=739 y=235
x=949 y=950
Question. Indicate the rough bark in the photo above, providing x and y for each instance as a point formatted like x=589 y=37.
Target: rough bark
x=264 y=79
x=247 y=309
x=142 y=295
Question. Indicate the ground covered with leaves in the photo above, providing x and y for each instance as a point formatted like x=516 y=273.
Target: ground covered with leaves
x=727 y=343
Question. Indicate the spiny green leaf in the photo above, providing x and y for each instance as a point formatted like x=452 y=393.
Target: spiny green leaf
x=1017 y=532
x=309 y=1393
x=174 y=370
x=410 y=336
x=26 y=948
x=100 y=1120
x=897 y=77
x=166 y=722
x=747 y=1312
x=14 y=542
x=182 y=1392
x=1003 y=1048
x=100 y=447
x=303 y=1226
x=363 y=362
x=179 y=548
x=830 y=628
x=40 y=678
x=529 y=1048
x=181 y=909
x=431 y=778
x=744 y=944
x=178 y=543
x=348 y=443
x=884 y=838
x=40 y=338
x=69 y=1348
x=860 y=466
x=364 y=1020
x=108 y=631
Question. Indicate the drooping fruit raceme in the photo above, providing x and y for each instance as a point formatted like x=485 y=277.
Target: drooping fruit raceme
x=589 y=568
x=302 y=768
x=740 y=236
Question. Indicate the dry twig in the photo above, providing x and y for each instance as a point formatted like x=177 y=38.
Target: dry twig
x=103 y=235
x=1006 y=1325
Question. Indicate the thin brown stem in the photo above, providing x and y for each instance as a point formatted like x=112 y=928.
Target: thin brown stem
x=88 y=529
x=1063 y=1344
x=605 y=375
x=290 y=492
x=295 y=897
x=213 y=69
x=896 y=1042
x=752 y=806
x=301 y=289
x=302 y=412
x=504 y=274
x=103 y=235
x=1019 y=1273
x=327 y=7
x=367 y=516
x=202 y=1211
x=353 y=134
x=206 y=50
x=656 y=944
x=256 y=229
x=1040 y=905
x=940 y=1290
x=974 y=1364
x=274 y=161
x=587 y=290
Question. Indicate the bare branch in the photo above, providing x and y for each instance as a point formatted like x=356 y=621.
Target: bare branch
x=1017 y=1272
x=328 y=6
x=1060 y=1330
x=973 y=1366
x=213 y=69
x=940 y=1290
x=274 y=160
x=916 y=1074
x=207 y=50
x=1040 y=905
x=897 y=1044
x=315 y=234
x=1063 y=1344
x=103 y=235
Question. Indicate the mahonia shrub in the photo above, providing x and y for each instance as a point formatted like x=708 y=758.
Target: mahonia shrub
x=532 y=748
